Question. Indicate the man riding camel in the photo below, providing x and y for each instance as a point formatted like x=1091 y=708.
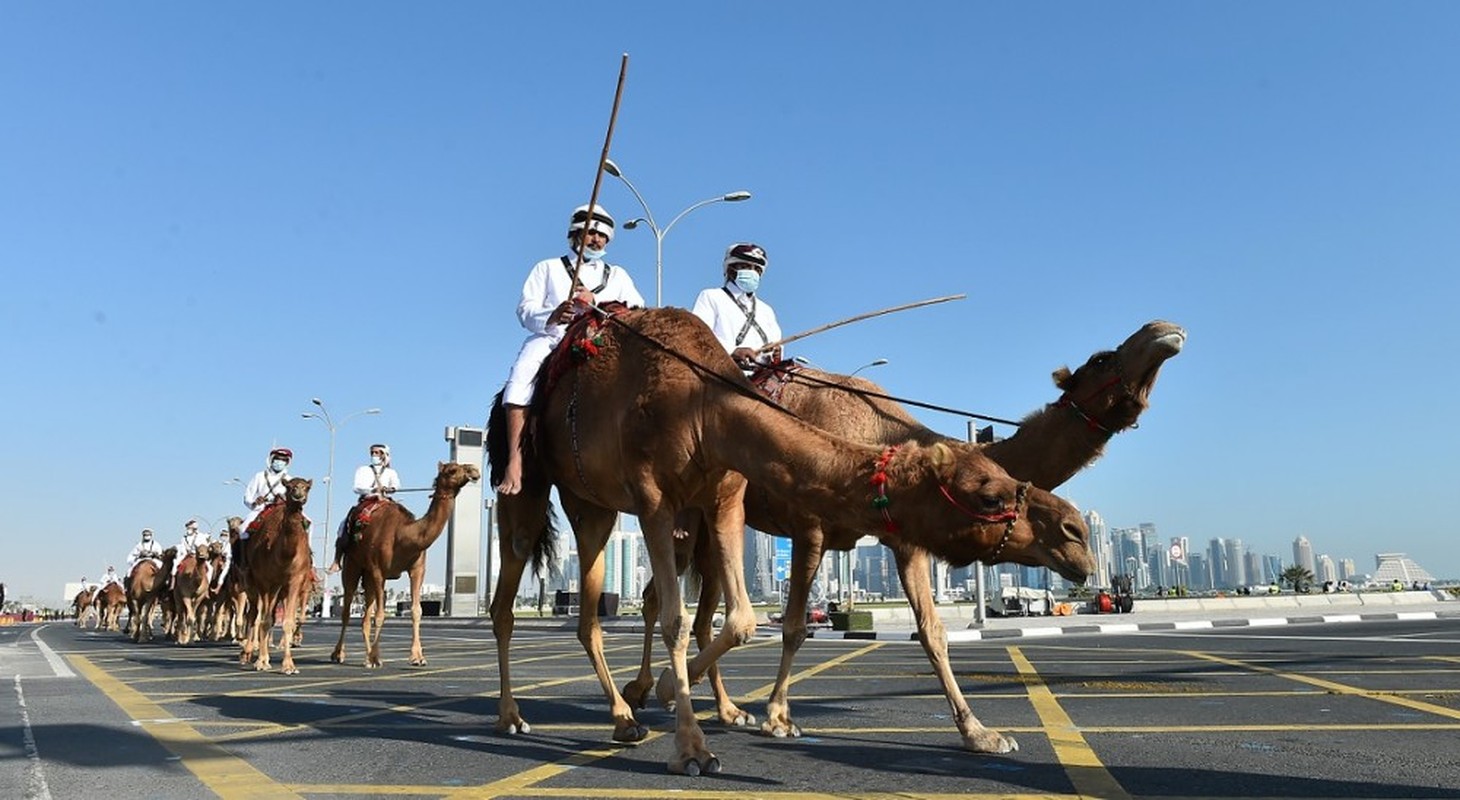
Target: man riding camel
x=148 y=548
x=374 y=483
x=265 y=489
x=739 y=318
x=108 y=578
x=194 y=543
x=551 y=298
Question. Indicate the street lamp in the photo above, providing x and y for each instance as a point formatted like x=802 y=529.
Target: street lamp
x=659 y=234
x=324 y=416
x=873 y=363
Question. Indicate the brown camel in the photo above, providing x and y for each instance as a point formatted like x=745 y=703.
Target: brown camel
x=145 y=587
x=109 y=604
x=81 y=605
x=660 y=420
x=1104 y=396
x=392 y=542
x=189 y=591
x=277 y=554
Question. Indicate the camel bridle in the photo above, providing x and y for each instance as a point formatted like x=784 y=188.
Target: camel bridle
x=1008 y=516
x=1066 y=401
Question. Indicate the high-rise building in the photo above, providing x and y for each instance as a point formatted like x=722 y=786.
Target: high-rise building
x=1200 y=569
x=1303 y=554
x=1236 y=563
x=1217 y=561
x=1326 y=571
x=1100 y=547
x=1255 y=572
x=1346 y=569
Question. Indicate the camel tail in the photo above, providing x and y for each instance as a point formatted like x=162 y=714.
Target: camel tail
x=545 y=549
x=496 y=440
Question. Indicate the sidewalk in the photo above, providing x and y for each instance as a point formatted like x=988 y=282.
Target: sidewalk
x=896 y=624
x=1193 y=614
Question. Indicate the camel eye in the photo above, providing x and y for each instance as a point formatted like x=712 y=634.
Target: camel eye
x=990 y=502
x=1101 y=359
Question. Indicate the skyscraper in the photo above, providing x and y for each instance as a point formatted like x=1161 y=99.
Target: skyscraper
x=1303 y=555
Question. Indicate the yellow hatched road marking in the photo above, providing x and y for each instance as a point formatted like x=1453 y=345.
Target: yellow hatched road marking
x=226 y=775
x=1337 y=688
x=1086 y=773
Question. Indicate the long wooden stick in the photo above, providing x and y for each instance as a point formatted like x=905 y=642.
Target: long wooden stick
x=859 y=318
x=618 y=93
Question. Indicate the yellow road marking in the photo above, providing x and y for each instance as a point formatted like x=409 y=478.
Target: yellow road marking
x=765 y=691
x=1337 y=688
x=1086 y=773
x=229 y=777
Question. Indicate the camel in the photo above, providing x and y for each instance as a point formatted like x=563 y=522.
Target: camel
x=1104 y=396
x=659 y=419
x=81 y=606
x=145 y=587
x=278 y=558
x=392 y=542
x=109 y=604
x=190 y=592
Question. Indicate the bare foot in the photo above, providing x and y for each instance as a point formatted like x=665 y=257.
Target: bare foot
x=334 y=567
x=511 y=478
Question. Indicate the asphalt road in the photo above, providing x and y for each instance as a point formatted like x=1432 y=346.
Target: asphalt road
x=1368 y=709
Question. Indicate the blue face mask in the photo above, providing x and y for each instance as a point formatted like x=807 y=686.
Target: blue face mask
x=278 y=465
x=748 y=280
x=591 y=254
x=376 y=461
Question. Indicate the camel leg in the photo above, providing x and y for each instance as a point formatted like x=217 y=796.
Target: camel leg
x=367 y=621
x=417 y=574
x=378 y=609
x=515 y=520
x=592 y=526
x=291 y=621
x=704 y=630
x=806 y=555
x=636 y=691
x=349 y=585
x=913 y=567
x=691 y=756
x=727 y=524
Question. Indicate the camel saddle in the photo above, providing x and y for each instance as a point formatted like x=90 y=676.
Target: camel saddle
x=275 y=507
x=771 y=379
x=585 y=334
x=359 y=516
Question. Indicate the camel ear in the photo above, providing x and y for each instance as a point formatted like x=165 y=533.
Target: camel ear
x=1060 y=376
x=440 y=465
x=943 y=458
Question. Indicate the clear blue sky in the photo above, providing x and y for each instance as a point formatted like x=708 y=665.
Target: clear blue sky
x=210 y=213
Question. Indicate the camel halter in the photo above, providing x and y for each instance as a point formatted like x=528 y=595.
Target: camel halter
x=1093 y=424
x=881 y=501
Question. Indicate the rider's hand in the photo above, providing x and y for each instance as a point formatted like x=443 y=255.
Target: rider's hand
x=562 y=314
x=744 y=357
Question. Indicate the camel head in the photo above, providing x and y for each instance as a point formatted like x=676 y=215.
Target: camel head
x=1005 y=520
x=296 y=490
x=1113 y=388
x=451 y=476
x=235 y=527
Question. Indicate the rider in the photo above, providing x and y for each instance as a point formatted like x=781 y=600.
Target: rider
x=194 y=542
x=739 y=319
x=108 y=578
x=147 y=548
x=267 y=486
x=550 y=300
x=374 y=482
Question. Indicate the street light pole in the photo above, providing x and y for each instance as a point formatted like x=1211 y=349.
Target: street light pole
x=329 y=495
x=659 y=234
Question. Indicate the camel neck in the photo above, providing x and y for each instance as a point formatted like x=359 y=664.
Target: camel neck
x=1050 y=446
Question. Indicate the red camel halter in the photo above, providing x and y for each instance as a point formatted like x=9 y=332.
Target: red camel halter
x=1095 y=425
x=881 y=501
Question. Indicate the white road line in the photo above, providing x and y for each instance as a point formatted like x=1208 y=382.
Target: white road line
x=35 y=779
x=58 y=664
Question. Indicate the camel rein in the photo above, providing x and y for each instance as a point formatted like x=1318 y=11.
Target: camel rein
x=1009 y=516
x=1066 y=401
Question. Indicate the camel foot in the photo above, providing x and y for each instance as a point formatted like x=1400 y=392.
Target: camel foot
x=512 y=727
x=636 y=693
x=629 y=731
x=418 y=661
x=781 y=729
x=694 y=766
x=338 y=656
x=735 y=717
x=288 y=668
x=989 y=741
x=262 y=666
x=372 y=663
